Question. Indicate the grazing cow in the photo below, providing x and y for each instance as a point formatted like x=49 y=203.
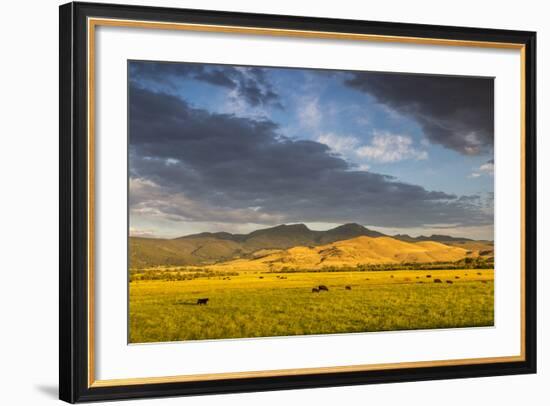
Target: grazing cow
x=323 y=287
x=314 y=290
x=437 y=281
x=202 y=301
x=348 y=287
x=451 y=282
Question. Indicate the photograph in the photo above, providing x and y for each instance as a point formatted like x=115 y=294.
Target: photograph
x=265 y=199
x=284 y=201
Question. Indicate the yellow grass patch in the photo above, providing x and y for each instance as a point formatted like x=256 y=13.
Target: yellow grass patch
x=259 y=304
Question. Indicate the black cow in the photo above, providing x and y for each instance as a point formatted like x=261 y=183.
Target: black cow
x=203 y=301
x=323 y=287
x=348 y=287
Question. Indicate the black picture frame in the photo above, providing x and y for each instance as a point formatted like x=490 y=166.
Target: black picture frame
x=74 y=385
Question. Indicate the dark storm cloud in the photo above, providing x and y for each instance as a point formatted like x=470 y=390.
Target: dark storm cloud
x=186 y=162
x=456 y=112
x=250 y=83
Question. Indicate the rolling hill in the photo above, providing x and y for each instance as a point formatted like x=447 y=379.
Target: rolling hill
x=351 y=252
x=214 y=247
x=348 y=244
x=146 y=252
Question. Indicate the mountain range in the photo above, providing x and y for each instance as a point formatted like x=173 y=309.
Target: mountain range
x=211 y=248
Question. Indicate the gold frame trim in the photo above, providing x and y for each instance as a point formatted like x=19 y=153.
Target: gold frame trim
x=94 y=22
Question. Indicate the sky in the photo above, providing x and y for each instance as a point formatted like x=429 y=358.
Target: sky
x=238 y=148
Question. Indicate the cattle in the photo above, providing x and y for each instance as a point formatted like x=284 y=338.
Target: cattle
x=323 y=287
x=437 y=281
x=450 y=282
x=348 y=287
x=314 y=290
x=202 y=301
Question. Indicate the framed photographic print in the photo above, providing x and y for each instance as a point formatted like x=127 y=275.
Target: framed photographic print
x=258 y=202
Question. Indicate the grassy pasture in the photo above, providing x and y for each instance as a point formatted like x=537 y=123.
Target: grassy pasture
x=254 y=304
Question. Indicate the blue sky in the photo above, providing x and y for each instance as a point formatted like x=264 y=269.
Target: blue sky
x=385 y=134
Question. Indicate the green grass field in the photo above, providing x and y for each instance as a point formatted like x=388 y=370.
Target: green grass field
x=276 y=304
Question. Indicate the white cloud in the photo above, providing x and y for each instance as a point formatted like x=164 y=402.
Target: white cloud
x=387 y=147
x=309 y=112
x=488 y=168
x=237 y=105
x=473 y=143
x=339 y=143
x=362 y=119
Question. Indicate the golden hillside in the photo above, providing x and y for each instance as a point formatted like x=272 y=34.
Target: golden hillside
x=352 y=252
